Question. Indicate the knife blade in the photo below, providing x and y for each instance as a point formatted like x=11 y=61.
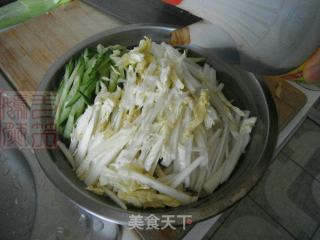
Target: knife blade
x=144 y=11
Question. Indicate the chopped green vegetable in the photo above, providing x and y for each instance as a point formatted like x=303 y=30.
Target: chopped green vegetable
x=81 y=84
x=22 y=10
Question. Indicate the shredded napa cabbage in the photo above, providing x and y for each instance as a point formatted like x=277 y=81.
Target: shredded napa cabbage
x=163 y=137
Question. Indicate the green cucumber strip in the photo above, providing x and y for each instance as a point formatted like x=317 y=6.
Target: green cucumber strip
x=85 y=98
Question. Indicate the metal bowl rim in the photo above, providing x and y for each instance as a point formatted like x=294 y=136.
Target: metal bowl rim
x=121 y=216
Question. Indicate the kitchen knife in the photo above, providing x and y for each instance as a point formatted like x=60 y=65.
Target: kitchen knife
x=144 y=11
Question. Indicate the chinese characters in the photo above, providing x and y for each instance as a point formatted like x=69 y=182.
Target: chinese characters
x=152 y=222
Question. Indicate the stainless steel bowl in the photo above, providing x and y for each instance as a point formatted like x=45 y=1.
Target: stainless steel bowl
x=243 y=87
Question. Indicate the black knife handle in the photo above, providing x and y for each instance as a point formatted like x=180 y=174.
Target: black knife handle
x=144 y=11
x=5 y=2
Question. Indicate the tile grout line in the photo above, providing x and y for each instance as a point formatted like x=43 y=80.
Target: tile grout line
x=303 y=169
x=211 y=235
x=308 y=173
x=267 y=213
x=299 y=165
x=313 y=234
x=315 y=121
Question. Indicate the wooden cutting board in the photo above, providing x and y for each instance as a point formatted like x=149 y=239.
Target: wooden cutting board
x=288 y=99
x=27 y=50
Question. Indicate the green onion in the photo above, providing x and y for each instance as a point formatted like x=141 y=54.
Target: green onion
x=81 y=83
x=22 y=10
x=85 y=98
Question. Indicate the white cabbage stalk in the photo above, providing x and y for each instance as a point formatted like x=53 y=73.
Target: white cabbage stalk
x=163 y=138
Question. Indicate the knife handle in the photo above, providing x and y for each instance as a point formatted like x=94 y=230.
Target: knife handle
x=173 y=2
x=5 y=2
